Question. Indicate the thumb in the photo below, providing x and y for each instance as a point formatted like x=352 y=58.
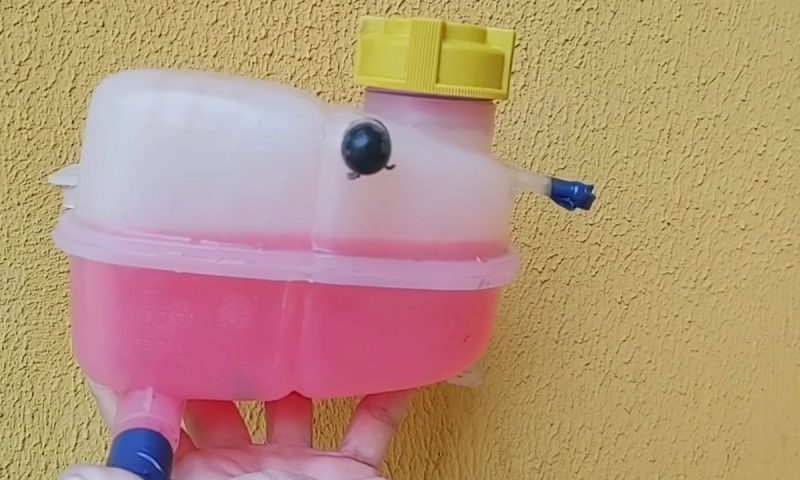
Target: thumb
x=93 y=472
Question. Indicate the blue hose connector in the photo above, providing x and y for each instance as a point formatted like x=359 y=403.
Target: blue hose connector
x=143 y=452
x=571 y=195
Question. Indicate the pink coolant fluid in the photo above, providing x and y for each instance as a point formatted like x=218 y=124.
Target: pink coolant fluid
x=219 y=337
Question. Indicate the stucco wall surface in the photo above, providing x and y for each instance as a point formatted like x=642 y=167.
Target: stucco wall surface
x=654 y=337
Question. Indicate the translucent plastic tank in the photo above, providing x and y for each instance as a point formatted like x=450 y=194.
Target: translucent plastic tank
x=222 y=246
x=217 y=236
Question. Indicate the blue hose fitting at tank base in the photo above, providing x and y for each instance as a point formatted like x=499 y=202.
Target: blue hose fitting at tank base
x=571 y=195
x=143 y=452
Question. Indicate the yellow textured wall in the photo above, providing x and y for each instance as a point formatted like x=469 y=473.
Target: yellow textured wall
x=655 y=337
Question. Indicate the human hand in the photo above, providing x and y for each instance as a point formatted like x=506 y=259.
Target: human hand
x=217 y=446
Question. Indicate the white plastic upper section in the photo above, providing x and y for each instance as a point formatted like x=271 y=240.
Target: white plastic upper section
x=199 y=154
x=228 y=158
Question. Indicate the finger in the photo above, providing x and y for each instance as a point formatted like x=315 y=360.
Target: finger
x=215 y=424
x=374 y=422
x=185 y=447
x=289 y=421
x=92 y=472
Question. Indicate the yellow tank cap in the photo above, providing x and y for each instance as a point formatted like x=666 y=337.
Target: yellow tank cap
x=430 y=56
